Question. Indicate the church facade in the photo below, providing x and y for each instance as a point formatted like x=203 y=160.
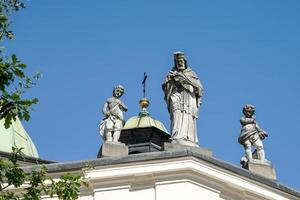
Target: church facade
x=176 y=175
x=142 y=161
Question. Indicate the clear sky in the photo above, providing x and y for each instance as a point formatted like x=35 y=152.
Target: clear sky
x=243 y=51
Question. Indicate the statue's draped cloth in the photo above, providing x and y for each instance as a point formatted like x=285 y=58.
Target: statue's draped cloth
x=183 y=97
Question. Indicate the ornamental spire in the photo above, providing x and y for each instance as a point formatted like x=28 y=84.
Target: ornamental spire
x=144 y=102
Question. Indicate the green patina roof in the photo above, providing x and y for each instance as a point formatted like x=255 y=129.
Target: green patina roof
x=144 y=120
x=16 y=136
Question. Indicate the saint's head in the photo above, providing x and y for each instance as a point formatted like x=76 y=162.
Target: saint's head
x=180 y=61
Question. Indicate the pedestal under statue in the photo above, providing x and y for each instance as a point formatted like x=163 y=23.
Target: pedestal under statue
x=183 y=94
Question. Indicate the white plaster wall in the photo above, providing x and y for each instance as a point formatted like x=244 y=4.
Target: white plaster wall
x=86 y=197
x=125 y=193
x=178 y=179
x=185 y=190
x=81 y=197
x=162 y=191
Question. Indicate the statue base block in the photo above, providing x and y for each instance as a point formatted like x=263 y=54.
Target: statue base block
x=178 y=147
x=110 y=149
x=263 y=168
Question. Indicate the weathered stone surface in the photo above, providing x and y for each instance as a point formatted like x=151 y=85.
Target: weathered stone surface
x=263 y=168
x=251 y=135
x=156 y=156
x=109 y=149
x=178 y=147
x=183 y=94
x=112 y=124
x=184 y=143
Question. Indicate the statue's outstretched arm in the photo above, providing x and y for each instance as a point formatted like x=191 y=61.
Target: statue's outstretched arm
x=123 y=107
x=261 y=130
x=258 y=128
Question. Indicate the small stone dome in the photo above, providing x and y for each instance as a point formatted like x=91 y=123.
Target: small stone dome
x=144 y=120
x=142 y=133
x=16 y=136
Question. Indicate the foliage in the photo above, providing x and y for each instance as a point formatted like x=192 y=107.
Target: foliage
x=13 y=84
x=13 y=80
x=36 y=183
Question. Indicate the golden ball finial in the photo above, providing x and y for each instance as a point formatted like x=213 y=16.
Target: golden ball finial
x=144 y=103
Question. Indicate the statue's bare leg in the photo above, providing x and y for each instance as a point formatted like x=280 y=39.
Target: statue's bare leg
x=248 y=152
x=259 y=149
x=117 y=127
x=109 y=136
x=116 y=136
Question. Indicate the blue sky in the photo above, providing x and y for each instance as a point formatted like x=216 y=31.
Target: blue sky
x=243 y=51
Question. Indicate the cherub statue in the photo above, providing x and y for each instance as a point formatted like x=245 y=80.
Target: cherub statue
x=251 y=135
x=111 y=125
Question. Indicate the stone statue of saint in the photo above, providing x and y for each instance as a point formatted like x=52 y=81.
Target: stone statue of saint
x=111 y=125
x=183 y=94
x=251 y=135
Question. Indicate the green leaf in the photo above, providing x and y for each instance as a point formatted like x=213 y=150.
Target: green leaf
x=14 y=59
x=19 y=73
x=3 y=18
x=34 y=100
x=10 y=35
x=7 y=121
x=15 y=96
x=26 y=116
x=22 y=65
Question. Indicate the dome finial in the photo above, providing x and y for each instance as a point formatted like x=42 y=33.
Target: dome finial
x=144 y=102
x=144 y=120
